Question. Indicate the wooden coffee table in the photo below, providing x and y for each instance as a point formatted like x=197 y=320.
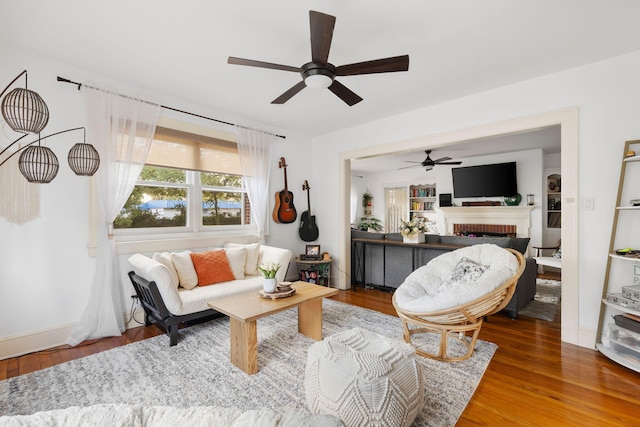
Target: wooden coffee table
x=244 y=309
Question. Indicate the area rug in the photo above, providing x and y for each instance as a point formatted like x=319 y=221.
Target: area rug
x=546 y=302
x=198 y=372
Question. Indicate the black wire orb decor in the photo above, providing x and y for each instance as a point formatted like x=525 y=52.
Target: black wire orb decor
x=83 y=159
x=38 y=164
x=26 y=112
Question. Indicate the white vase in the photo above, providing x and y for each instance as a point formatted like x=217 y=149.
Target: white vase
x=416 y=238
x=269 y=285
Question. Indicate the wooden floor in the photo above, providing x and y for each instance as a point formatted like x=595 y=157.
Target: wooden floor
x=532 y=380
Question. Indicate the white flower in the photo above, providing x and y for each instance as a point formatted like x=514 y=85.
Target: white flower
x=411 y=228
x=269 y=269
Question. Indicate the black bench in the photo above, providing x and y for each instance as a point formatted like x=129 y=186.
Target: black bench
x=155 y=311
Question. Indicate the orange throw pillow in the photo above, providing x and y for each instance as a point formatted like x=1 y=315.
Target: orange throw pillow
x=212 y=267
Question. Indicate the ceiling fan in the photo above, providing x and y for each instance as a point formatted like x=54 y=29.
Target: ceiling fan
x=429 y=164
x=319 y=73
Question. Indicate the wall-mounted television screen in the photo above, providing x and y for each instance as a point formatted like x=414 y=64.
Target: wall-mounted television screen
x=498 y=179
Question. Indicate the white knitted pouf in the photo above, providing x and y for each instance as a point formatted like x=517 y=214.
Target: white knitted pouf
x=364 y=379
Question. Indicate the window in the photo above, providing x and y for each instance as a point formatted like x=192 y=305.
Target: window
x=190 y=183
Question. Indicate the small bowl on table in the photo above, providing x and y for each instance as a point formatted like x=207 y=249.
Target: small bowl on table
x=283 y=287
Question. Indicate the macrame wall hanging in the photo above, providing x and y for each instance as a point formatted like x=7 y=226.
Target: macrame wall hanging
x=19 y=199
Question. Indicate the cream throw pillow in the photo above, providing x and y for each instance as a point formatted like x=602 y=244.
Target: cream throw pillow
x=253 y=254
x=164 y=258
x=237 y=258
x=186 y=271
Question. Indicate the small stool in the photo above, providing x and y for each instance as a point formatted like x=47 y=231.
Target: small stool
x=365 y=379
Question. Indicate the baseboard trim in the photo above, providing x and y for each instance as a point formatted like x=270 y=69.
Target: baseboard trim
x=44 y=339
x=19 y=345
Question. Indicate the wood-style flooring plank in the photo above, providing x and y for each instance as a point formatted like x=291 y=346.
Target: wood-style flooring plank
x=533 y=379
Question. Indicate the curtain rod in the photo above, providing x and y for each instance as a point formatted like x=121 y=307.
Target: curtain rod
x=64 y=80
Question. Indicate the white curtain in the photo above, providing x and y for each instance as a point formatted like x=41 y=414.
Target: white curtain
x=396 y=201
x=121 y=128
x=255 y=149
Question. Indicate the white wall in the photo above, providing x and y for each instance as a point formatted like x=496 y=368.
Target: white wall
x=606 y=94
x=45 y=265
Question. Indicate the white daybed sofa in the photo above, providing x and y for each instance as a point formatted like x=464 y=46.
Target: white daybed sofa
x=168 y=288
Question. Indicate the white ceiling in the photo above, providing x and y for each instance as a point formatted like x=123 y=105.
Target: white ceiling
x=178 y=49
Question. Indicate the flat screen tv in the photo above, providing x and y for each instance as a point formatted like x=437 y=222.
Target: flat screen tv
x=498 y=179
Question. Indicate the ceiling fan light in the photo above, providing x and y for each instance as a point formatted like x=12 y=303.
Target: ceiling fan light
x=38 y=164
x=83 y=159
x=318 y=81
x=25 y=111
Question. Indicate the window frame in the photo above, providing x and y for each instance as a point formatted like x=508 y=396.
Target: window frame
x=194 y=234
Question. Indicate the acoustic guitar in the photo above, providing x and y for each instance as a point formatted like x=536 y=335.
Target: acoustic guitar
x=284 y=212
x=308 y=229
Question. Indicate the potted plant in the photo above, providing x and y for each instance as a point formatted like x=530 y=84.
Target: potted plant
x=368 y=223
x=367 y=203
x=269 y=269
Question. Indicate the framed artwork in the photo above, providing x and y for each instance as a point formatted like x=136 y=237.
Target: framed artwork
x=313 y=250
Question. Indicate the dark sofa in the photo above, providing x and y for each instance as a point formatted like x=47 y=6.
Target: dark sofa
x=381 y=260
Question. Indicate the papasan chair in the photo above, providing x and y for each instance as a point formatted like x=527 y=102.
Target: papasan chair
x=452 y=294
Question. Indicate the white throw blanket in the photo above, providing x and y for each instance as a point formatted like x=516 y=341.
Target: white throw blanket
x=111 y=415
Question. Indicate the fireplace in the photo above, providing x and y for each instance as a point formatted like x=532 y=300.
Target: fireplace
x=512 y=221
x=478 y=230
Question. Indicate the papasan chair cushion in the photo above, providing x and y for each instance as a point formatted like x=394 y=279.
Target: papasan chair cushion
x=456 y=278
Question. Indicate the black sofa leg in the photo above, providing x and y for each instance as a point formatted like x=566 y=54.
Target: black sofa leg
x=173 y=335
x=147 y=322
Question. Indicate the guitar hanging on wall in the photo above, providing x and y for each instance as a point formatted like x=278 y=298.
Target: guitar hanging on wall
x=284 y=212
x=308 y=229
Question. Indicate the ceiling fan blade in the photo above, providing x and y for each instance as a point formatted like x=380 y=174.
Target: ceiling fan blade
x=442 y=159
x=321 y=34
x=344 y=93
x=386 y=65
x=449 y=163
x=289 y=93
x=261 y=64
x=407 y=167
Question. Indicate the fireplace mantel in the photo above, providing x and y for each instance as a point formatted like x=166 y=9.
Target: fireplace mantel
x=520 y=216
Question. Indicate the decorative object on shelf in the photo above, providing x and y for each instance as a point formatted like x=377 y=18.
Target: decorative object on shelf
x=27 y=113
x=313 y=250
x=630 y=153
x=269 y=270
x=412 y=231
x=369 y=224
x=530 y=200
x=514 y=200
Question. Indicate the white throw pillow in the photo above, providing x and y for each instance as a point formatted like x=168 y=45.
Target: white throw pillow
x=237 y=258
x=186 y=271
x=465 y=271
x=253 y=254
x=164 y=258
